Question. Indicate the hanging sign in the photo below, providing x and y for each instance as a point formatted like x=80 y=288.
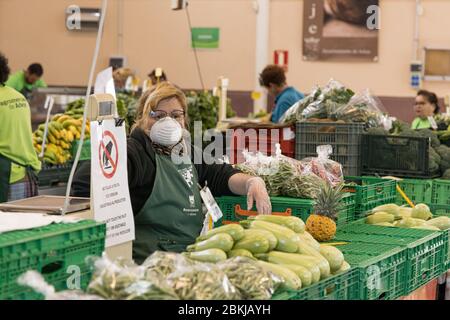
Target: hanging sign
x=341 y=30
x=109 y=181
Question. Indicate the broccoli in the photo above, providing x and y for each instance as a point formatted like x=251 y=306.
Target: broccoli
x=435 y=142
x=446 y=175
x=435 y=156
x=433 y=165
x=443 y=151
x=377 y=131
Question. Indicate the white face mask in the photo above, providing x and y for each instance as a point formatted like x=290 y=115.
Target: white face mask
x=166 y=132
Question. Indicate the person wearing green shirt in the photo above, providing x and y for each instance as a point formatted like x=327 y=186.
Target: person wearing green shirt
x=26 y=81
x=19 y=163
x=426 y=106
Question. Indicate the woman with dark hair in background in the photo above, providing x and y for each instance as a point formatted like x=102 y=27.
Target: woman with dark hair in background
x=425 y=107
x=18 y=160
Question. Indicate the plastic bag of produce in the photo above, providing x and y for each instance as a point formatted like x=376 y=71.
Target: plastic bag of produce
x=322 y=166
x=124 y=280
x=282 y=175
x=36 y=281
x=166 y=263
x=252 y=281
x=294 y=113
x=362 y=107
x=202 y=281
x=331 y=98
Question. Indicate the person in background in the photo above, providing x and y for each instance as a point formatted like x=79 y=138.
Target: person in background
x=425 y=107
x=121 y=76
x=273 y=78
x=26 y=81
x=155 y=79
x=18 y=160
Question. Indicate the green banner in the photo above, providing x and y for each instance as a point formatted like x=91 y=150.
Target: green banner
x=205 y=38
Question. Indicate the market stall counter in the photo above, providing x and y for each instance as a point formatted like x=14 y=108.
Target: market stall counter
x=78 y=208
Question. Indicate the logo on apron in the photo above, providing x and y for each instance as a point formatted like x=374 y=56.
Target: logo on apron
x=192 y=201
x=187 y=175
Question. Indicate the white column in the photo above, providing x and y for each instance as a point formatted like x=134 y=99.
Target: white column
x=262 y=49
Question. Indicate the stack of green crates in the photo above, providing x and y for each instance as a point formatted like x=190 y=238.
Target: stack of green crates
x=85 y=150
x=417 y=190
x=343 y=286
x=370 y=192
x=57 y=251
x=425 y=249
x=234 y=209
x=381 y=269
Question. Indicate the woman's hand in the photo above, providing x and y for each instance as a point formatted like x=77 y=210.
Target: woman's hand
x=255 y=189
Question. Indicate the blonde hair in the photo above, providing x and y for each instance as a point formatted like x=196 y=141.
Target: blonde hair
x=150 y=100
x=122 y=74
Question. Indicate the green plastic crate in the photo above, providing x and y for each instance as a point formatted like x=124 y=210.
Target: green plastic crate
x=441 y=192
x=418 y=191
x=371 y=192
x=426 y=250
x=443 y=210
x=234 y=209
x=344 y=286
x=49 y=250
x=381 y=269
x=53 y=174
x=85 y=150
x=58 y=281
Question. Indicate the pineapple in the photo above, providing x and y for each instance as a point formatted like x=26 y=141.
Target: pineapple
x=321 y=225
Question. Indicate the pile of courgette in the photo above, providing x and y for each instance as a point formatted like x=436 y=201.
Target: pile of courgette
x=279 y=244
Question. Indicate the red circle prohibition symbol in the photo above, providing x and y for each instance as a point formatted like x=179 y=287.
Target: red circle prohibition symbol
x=102 y=148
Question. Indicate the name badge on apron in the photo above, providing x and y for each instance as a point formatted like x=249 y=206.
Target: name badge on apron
x=214 y=213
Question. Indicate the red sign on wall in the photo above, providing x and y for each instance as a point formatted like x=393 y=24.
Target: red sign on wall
x=281 y=58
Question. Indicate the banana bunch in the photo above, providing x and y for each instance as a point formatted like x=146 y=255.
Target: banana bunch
x=72 y=125
x=75 y=109
x=63 y=130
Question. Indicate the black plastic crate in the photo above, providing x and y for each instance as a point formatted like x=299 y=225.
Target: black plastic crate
x=345 y=138
x=53 y=174
x=405 y=157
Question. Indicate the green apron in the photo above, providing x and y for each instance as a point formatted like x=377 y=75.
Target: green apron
x=172 y=218
x=5 y=173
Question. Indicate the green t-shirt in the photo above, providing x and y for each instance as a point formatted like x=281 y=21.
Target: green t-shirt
x=17 y=81
x=419 y=123
x=16 y=142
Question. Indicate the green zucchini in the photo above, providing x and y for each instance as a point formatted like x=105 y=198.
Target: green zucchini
x=240 y=253
x=334 y=257
x=294 y=223
x=290 y=280
x=273 y=241
x=210 y=255
x=221 y=241
x=234 y=230
x=292 y=258
x=253 y=243
x=287 y=239
x=302 y=272
x=309 y=239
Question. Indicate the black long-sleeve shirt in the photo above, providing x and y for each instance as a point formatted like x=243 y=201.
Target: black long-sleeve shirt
x=142 y=173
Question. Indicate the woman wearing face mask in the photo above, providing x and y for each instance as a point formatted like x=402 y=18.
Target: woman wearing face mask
x=164 y=192
x=425 y=107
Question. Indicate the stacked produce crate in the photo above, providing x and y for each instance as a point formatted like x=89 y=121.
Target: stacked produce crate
x=234 y=209
x=370 y=192
x=53 y=251
x=262 y=138
x=345 y=138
